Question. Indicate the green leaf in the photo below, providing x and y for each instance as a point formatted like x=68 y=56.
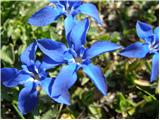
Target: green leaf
x=50 y=114
x=7 y=54
x=96 y=111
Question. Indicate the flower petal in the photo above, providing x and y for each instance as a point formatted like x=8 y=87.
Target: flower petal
x=65 y=79
x=97 y=77
x=48 y=63
x=52 y=49
x=12 y=77
x=68 y=24
x=100 y=47
x=78 y=34
x=27 y=100
x=155 y=67
x=54 y=1
x=63 y=99
x=76 y=4
x=156 y=34
x=136 y=50
x=45 y=16
x=58 y=4
x=143 y=30
x=47 y=84
x=28 y=56
x=90 y=10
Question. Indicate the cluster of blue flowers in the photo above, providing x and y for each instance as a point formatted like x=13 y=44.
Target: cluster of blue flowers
x=75 y=55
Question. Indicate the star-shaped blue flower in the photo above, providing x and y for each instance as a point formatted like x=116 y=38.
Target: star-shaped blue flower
x=66 y=8
x=150 y=46
x=34 y=78
x=76 y=56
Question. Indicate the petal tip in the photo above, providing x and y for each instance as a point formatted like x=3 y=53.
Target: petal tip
x=104 y=93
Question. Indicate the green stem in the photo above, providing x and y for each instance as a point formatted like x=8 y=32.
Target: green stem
x=20 y=115
x=59 y=112
x=146 y=92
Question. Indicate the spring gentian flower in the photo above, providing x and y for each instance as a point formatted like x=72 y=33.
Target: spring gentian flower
x=34 y=78
x=66 y=8
x=76 y=56
x=149 y=46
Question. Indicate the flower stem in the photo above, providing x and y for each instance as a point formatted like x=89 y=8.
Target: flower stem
x=59 y=112
x=20 y=115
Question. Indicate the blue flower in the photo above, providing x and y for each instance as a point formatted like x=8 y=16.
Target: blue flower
x=149 y=46
x=76 y=56
x=34 y=78
x=66 y=8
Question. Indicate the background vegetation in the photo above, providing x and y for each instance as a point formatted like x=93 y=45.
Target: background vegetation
x=130 y=94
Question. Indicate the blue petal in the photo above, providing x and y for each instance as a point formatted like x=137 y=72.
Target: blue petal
x=68 y=24
x=90 y=10
x=156 y=34
x=32 y=68
x=12 y=77
x=155 y=67
x=69 y=56
x=40 y=71
x=65 y=79
x=37 y=63
x=100 y=47
x=76 y=4
x=63 y=2
x=27 y=100
x=70 y=4
x=54 y=1
x=58 y=4
x=52 y=49
x=78 y=34
x=47 y=84
x=136 y=50
x=150 y=40
x=63 y=99
x=45 y=16
x=143 y=30
x=48 y=63
x=28 y=56
x=96 y=75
